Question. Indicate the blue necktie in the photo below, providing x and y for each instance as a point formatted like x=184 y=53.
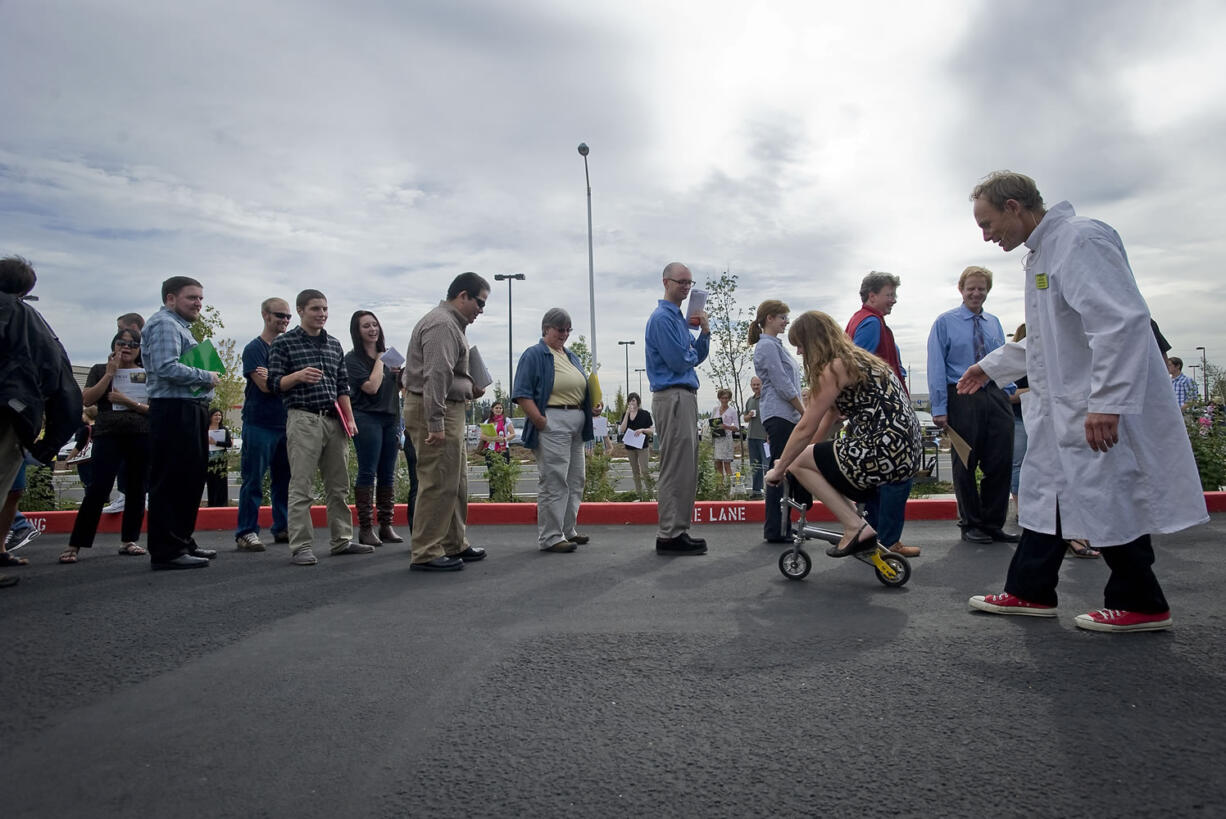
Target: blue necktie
x=977 y=335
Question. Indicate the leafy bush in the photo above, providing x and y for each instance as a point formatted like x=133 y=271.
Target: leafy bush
x=1208 y=436
x=502 y=476
x=598 y=485
x=40 y=495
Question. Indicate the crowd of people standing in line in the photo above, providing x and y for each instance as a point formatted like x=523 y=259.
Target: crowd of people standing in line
x=1085 y=349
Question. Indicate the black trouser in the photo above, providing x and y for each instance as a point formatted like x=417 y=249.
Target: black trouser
x=179 y=433
x=984 y=419
x=1132 y=586
x=113 y=454
x=217 y=479
x=778 y=430
x=410 y=460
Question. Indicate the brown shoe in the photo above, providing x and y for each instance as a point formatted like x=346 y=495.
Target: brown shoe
x=906 y=551
x=561 y=546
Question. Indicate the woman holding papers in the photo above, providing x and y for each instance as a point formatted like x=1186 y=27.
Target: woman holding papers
x=216 y=479
x=637 y=421
x=552 y=390
x=376 y=411
x=880 y=445
x=120 y=440
x=722 y=432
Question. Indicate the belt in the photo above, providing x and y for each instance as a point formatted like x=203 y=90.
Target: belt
x=564 y=406
x=685 y=387
x=323 y=413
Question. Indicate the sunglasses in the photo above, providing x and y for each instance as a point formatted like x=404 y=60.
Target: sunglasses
x=131 y=345
x=285 y=316
x=480 y=302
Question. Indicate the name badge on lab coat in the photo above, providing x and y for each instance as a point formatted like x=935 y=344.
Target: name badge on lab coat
x=1040 y=281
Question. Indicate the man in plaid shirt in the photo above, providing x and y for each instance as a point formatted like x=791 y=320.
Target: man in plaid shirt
x=1185 y=388
x=306 y=368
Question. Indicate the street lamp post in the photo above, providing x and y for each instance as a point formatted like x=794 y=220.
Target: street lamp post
x=508 y=278
x=627 y=345
x=640 y=371
x=591 y=268
x=1204 y=373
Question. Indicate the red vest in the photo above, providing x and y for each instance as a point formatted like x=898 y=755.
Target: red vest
x=886 y=350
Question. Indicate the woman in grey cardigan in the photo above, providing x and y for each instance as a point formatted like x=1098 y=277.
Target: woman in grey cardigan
x=780 y=405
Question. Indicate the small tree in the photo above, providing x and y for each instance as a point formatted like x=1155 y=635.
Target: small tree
x=579 y=347
x=731 y=355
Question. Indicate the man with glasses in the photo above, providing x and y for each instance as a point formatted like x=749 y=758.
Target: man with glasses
x=437 y=387
x=263 y=437
x=672 y=355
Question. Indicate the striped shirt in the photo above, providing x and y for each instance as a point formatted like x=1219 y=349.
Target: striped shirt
x=296 y=349
x=1185 y=389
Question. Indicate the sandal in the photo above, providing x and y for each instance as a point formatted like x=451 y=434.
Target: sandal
x=132 y=549
x=7 y=559
x=855 y=545
x=69 y=555
x=1081 y=548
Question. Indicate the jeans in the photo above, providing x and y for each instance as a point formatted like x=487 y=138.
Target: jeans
x=757 y=462
x=887 y=511
x=1019 y=452
x=378 y=445
x=263 y=451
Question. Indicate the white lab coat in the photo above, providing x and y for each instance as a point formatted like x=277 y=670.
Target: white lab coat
x=1089 y=348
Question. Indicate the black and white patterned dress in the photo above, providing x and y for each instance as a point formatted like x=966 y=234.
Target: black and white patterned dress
x=881 y=443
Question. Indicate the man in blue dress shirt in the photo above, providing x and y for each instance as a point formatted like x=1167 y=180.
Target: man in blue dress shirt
x=984 y=419
x=672 y=355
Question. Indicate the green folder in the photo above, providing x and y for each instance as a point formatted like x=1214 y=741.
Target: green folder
x=203 y=357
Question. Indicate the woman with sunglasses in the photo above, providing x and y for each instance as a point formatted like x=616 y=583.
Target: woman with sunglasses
x=376 y=411
x=120 y=440
x=552 y=390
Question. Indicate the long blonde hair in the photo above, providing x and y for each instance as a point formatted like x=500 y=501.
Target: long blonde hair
x=768 y=308
x=821 y=341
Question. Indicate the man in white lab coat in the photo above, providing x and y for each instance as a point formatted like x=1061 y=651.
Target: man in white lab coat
x=1108 y=456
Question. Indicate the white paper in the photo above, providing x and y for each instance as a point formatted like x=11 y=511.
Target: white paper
x=218 y=435
x=477 y=370
x=766 y=453
x=130 y=382
x=634 y=439
x=393 y=358
x=600 y=426
x=698 y=303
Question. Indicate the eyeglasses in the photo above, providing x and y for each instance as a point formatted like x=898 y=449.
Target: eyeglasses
x=563 y=330
x=285 y=316
x=682 y=282
x=480 y=302
x=131 y=345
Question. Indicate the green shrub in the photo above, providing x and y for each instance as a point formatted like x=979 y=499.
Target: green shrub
x=598 y=483
x=40 y=495
x=1209 y=449
x=502 y=476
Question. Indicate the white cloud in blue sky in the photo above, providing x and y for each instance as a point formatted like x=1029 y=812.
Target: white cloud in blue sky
x=376 y=149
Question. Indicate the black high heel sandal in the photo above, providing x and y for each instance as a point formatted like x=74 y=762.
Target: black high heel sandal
x=855 y=545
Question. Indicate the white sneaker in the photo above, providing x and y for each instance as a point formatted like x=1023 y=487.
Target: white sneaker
x=249 y=542
x=114 y=506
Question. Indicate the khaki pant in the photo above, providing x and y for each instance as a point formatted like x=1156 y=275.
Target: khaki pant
x=317 y=442
x=675 y=413
x=639 y=465
x=441 y=514
x=560 y=469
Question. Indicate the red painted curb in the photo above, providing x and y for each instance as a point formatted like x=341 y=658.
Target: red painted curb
x=506 y=514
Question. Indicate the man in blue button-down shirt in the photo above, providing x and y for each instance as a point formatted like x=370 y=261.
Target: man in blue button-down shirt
x=672 y=355
x=178 y=427
x=984 y=419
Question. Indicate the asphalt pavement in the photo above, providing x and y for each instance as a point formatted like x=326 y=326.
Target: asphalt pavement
x=608 y=682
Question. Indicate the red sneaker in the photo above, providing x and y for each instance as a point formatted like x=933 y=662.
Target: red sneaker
x=1005 y=603
x=1118 y=620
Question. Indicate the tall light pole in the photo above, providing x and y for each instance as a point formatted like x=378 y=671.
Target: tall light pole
x=627 y=345
x=591 y=267
x=508 y=278
x=1204 y=372
x=640 y=371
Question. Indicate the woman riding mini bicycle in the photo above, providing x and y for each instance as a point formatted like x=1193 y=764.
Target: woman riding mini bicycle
x=880 y=445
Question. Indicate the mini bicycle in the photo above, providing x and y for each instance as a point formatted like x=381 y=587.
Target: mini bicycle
x=892 y=569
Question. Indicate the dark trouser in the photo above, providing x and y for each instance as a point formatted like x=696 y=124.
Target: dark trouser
x=985 y=421
x=887 y=511
x=1132 y=586
x=410 y=461
x=778 y=430
x=757 y=462
x=113 y=455
x=217 y=479
x=264 y=450
x=178 y=432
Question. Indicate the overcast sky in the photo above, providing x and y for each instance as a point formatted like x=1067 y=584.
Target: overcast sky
x=374 y=150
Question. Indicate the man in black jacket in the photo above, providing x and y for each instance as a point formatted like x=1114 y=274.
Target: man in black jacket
x=37 y=390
